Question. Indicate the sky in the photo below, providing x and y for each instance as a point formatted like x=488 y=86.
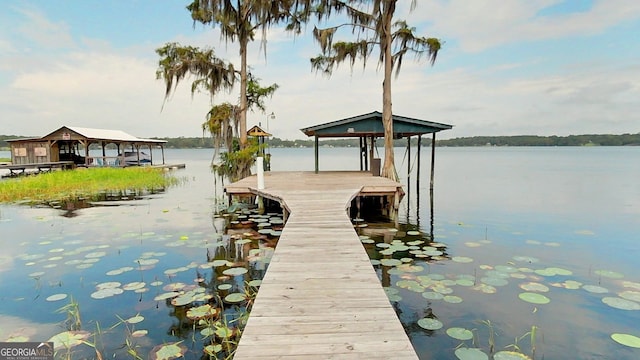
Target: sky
x=515 y=67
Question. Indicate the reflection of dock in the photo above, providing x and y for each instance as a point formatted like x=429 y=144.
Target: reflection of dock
x=169 y=166
x=321 y=297
x=19 y=169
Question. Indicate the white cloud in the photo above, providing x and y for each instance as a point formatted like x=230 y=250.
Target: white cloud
x=99 y=86
x=482 y=24
x=43 y=32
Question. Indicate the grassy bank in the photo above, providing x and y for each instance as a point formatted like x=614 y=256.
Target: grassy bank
x=72 y=184
x=5 y=159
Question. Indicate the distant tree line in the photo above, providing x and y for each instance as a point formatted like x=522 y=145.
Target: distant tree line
x=531 y=140
x=520 y=140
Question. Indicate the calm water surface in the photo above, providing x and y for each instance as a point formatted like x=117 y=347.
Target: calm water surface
x=499 y=213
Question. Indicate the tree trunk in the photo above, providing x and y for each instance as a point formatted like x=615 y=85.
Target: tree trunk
x=243 y=94
x=388 y=169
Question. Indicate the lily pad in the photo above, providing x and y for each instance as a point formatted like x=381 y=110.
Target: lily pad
x=135 y=319
x=68 y=339
x=430 y=324
x=620 y=303
x=201 y=312
x=534 y=298
x=57 y=297
x=168 y=351
x=460 y=333
x=211 y=350
x=105 y=293
x=595 y=289
x=452 y=299
x=510 y=355
x=390 y=262
x=487 y=289
x=630 y=295
x=506 y=268
x=626 y=340
x=206 y=332
x=134 y=286
x=235 y=271
x=534 y=286
x=609 y=274
x=494 y=281
x=139 y=333
x=462 y=259
x=235 y=298
x=224 y=332
x=553 y=271
x=470 y=354
x=167 y=295
x=465 y=282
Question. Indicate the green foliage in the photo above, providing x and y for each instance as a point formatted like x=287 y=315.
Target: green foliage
x=235 y=163
x=72 y=184
x=371 y=21
x=177 y=62
x=256 y=93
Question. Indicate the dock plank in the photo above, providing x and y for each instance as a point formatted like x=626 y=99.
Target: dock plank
x=320 y=297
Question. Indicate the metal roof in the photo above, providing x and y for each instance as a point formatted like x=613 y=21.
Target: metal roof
x=371 y=125
x=103 y=134
x=257 y=131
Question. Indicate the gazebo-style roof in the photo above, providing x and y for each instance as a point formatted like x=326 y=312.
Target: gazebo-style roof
x=257 y=131
x=370 y=126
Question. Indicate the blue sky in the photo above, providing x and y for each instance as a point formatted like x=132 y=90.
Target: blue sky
x=539 y=67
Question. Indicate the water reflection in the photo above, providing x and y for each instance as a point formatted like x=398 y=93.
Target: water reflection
x=136 y=272
x=70 y=207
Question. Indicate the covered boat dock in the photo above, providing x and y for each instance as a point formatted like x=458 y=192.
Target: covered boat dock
x=369 y=127
x=70 y=145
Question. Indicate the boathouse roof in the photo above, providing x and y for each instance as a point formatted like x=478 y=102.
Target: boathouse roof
x=370 y=124
x=81 y=133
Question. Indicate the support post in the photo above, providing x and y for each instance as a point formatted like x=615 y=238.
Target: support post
x=418 y=183
x=361 y=154
x=366 y=155
x=315 y=148
x=433 y=158
x=260 y=171
x=408 y=177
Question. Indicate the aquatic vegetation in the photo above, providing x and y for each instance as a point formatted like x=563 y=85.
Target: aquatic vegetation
x=535 y=281
x=83 y=184
x=208 y=298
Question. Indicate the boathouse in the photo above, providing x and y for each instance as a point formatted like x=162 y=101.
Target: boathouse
x=71 y=145
x=367 y=128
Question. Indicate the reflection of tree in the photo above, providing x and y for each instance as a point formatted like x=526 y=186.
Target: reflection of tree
x=226 y=253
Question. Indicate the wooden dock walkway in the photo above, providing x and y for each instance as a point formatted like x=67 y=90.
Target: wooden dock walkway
x=320 y=297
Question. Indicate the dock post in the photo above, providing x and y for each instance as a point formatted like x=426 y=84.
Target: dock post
x=260 y=170
x=315 y=147
x=418 y=184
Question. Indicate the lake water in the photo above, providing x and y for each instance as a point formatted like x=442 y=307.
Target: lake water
x=561 y=222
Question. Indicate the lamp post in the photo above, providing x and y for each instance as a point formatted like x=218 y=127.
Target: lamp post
x=266 y=142
x=270 y=116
